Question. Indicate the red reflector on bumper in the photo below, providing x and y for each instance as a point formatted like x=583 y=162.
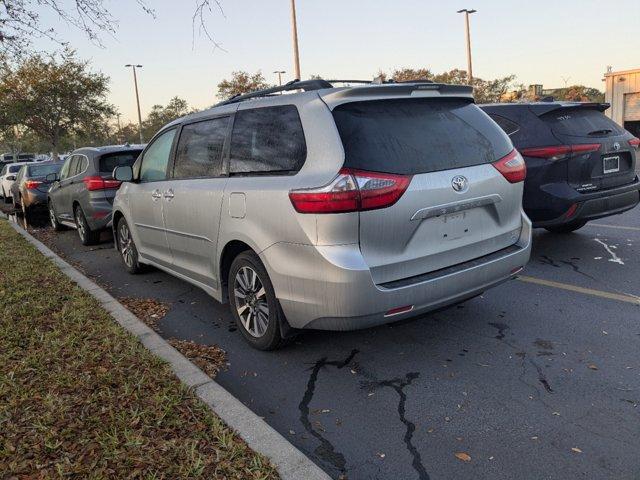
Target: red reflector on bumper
x=399 y=310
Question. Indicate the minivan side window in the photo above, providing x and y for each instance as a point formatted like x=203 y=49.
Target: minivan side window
x=267 y=140
x=156 y=158
x=199 y=151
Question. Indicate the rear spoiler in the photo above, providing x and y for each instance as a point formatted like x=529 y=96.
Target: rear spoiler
x=542 y=108
x=341 y=95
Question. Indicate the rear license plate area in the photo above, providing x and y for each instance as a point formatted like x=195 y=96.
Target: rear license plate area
x=455 y=226
x=611 y=164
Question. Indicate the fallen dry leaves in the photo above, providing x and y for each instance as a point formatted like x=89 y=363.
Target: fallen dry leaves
x=209 y=358
x=149 y=310
x=465 y=457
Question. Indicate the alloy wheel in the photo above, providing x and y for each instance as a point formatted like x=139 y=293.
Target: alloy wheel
x=52 y=217
x=251 y=302
x=82 y=229
x=126 y=245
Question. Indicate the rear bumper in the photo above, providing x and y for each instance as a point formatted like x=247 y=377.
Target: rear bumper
x=33 y=198
x=596 y=205
x=98 y=214
x=331 y=288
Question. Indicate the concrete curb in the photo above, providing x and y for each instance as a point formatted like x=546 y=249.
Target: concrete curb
x=290 y=462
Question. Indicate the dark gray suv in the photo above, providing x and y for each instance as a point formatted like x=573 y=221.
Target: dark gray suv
x=82 y=193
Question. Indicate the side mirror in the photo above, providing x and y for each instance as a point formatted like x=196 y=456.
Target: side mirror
x=11 y=177
x=52 y=177
x=123 y=173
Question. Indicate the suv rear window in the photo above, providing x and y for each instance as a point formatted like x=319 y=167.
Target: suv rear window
x=411 y=136
x=112 y=160
x=581 y=122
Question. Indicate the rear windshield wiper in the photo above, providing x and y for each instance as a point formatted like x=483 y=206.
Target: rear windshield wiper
x=604 y=131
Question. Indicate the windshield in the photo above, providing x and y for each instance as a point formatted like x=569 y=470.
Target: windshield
x=14 y=168
x=44 y=170
x=410 y=136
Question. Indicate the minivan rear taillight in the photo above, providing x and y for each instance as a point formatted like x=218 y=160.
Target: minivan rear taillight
x=512 y=167
x=99 y=183
x=560 y=152
x=352 y=191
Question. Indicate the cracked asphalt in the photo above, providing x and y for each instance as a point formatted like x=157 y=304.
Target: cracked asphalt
x=529 y=380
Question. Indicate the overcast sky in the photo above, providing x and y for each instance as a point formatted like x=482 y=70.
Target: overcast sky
x=540 y=41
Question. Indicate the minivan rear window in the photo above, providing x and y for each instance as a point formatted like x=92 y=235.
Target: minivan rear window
x=581 y=122
x=110 y=161
x=411 y=136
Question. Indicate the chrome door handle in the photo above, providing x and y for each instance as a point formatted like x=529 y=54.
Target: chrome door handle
x=168 y=194
x=156 y=194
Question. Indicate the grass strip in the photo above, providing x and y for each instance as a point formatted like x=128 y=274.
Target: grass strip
x=82 y=398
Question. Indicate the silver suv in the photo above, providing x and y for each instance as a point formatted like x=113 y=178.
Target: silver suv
x=329 y=208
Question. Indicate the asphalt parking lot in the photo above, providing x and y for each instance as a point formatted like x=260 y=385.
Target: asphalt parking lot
x=537 y=378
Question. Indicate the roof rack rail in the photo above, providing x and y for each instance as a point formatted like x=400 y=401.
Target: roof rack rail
x=350 y=81
x=306 y=85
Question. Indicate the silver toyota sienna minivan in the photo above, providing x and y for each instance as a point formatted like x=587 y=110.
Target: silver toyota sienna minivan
x=328 y=208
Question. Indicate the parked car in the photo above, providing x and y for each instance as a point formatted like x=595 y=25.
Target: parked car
x=32 y=186
x=580 y=164
x=333 y=208
x=81 y=196
x=17 y=157
x=7 y=177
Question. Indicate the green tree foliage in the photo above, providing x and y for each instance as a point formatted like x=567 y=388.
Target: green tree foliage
x=241 y=82
x=578 y=93
x=54 y=97
x=160 y=115
x=484 y=91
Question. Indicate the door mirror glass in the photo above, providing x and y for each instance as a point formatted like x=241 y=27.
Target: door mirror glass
x=123 y=173
x=52 y=177
x=11 y=177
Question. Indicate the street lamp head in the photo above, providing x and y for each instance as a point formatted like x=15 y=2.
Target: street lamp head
x=467 y=11
x=279 y=71
x=136 y=66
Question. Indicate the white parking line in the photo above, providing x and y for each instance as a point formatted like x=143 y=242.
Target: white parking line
x=620 y=227
x=587 y=291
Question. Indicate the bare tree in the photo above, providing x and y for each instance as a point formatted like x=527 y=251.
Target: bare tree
x=21 y=21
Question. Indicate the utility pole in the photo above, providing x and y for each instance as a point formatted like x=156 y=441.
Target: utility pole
x=468 y=35
x=135 y=83
x=279 y=73
x=119 y=128
x=296 y=53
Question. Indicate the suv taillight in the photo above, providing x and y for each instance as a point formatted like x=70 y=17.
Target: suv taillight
x=635 y=142
x=352 y=191
x=512 y=167
x=99 y=183
x=560 y=152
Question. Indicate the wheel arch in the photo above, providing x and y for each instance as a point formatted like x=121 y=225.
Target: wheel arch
x=231 y=250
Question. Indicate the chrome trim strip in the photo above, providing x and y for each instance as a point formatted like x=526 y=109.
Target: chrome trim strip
x=454 y=207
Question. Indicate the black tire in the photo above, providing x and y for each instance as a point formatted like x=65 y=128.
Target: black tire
x=567 y=227
x=127 y=248
x=255 y=333
x=53 y=220
x=87 y=236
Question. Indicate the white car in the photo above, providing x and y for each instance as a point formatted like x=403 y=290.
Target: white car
x=7 y=177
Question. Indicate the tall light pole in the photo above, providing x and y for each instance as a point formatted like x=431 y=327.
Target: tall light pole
x=466 y=19
x=135 y=83
x=296 y=53
x=279 y=73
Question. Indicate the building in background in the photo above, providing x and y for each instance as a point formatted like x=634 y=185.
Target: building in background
x=622 y=91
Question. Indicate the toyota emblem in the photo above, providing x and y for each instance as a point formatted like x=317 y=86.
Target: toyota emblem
x=460 y=183
x=616 y=146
